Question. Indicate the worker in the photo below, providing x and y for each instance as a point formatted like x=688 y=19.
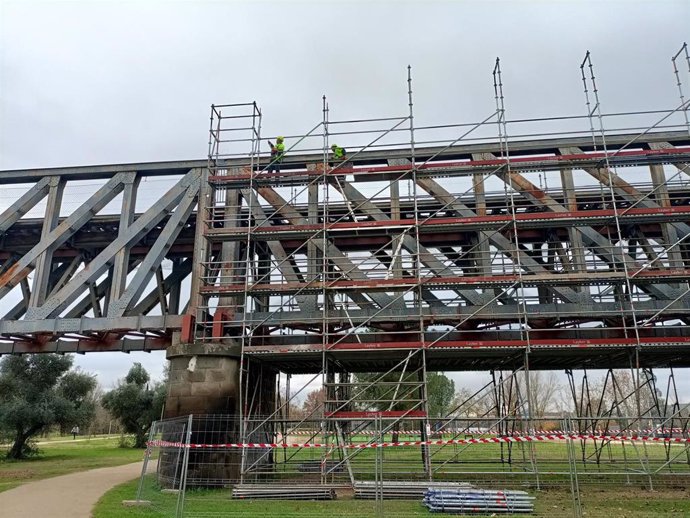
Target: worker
x=338 y=153
x=339 y=158
x=277 y=154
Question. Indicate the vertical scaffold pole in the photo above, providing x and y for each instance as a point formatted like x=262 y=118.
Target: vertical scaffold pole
x=520 y=289
x=684 y=106
x=426 y=428
x=246 y=331
x=327 y=388
x=572 y=462
x=588 y=78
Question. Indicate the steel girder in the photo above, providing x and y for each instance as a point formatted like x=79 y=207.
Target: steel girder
x=105 y=293
x=100 y=294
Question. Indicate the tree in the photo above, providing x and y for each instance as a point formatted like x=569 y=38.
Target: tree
x=39 y=391
x=616 y=393
x=394 y=393
x=136 y=403
x=468 y=403
x=544 y=389
x=313 y=402
x=103 y=421
x=440 y=392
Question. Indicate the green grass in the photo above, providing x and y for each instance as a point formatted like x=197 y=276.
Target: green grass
x=471 y=462
x=61 y=458
x=630 y=502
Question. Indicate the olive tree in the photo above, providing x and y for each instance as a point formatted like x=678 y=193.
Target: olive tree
x=39 y=391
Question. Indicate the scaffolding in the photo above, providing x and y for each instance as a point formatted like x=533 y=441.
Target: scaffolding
x=505 y=245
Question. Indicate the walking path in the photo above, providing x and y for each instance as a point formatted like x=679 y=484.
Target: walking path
x=66 y=496
x=86 y=439
x=65 y=441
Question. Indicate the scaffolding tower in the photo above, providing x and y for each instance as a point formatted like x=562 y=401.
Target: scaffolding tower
x=504 y=245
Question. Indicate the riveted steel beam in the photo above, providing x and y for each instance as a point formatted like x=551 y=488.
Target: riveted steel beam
x=100 y=264
x=498 y=240
x=612 y=254
x=121 y=266
x=334 y=255
x=43 y=264
x=170 y=284
x=285 y=267
x=61 y=233
x=153 y=259
x=363 y=205
x=623 y=189
x=25 y=203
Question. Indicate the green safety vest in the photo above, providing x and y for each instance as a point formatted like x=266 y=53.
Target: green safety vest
x=338 y=152
x=280 y=151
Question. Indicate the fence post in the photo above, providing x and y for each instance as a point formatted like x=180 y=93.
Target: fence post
x=379 y=467
x=146 y=460
x=572 y=462
x=185 y=464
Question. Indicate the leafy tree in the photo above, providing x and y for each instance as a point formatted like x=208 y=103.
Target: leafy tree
x=39 y=391
x=400 y=395
x=390 y=395
x=440 y=392
x=136 y=403
x=468 y=403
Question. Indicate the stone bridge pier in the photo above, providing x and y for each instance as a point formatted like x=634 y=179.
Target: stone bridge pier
x=204 y=379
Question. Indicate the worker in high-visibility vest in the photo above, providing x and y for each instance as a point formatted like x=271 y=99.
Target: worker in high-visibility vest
x=277 y=154
x=338 y=152
x=338 y=159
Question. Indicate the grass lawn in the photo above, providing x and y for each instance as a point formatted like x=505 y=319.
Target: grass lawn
x=609 y=503
x=61 y=455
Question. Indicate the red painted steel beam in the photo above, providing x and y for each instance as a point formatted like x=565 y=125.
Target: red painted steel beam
x=581 y=217
x=575 y=343
x=536 y=162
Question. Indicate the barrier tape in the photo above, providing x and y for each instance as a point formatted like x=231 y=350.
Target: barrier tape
x=447 y=431
x=480 y=440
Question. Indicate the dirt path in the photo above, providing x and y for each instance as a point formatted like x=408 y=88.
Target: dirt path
x=66 y=496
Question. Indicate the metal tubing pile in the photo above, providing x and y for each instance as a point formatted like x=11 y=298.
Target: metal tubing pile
x=402 y=490
x=283 y=492
x=478 y=501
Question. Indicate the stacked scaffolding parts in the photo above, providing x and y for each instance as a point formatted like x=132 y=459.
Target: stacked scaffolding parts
x=452 y=247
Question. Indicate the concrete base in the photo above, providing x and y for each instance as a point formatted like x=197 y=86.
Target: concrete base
x=204 y=379
x=136 y=503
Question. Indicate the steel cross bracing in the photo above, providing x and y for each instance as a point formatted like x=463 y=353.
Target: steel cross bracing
x=83 y=269
x=570 y=269
x=464 y=245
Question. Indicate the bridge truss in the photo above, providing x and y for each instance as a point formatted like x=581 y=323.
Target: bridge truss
x=496 y=246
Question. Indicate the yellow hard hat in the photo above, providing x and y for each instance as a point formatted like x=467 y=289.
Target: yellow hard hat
x=280 y=139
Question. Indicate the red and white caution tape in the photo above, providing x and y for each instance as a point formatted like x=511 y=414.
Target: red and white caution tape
x=479 y=440
x=448 y=431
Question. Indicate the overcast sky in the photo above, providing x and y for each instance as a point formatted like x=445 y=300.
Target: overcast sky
x=110 y=82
